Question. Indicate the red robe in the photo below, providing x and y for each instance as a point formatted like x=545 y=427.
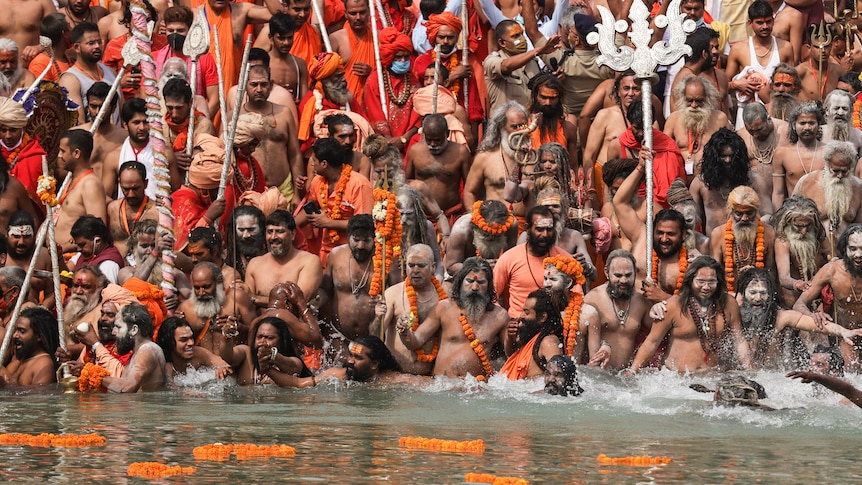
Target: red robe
x=247 y=167
x=308 y=102
x=399 y=120
x=27 y=167
x=667 y=166
x=476 y=112
x=189 y=210
x=110 y=253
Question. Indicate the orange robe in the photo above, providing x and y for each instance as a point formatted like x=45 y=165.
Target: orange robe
x=518 y=364
x=306 y=43
x=559 y=137
x=360 y=51
x=230 y=55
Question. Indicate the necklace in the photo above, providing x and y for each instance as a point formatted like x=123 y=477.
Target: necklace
x=622 y=315
x=88 y=73
x=124 y=218
x=802 y=162
x=694 y=140
x=357 y=288
x=853 y=289
x=401 y=99
x=530 y=268
x=763 y=155
x=822 y=81
x=477 y=346
x=410 y=292
x=706 y=329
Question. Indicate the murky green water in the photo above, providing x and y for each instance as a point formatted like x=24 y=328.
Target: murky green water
x=349 y=434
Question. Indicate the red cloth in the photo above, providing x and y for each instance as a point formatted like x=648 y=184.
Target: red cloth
x=333 y=12
x=113 y=57
x=667 y=166
x=110 y=253
x=477 y=112
x=435 y=21
x=361 y=51
x=28 y=167
x=517 y=366
x=246 y=165
x=403 y=19
x=90 y=355
x=391 y=42
x=399 y=120
x=189 y=210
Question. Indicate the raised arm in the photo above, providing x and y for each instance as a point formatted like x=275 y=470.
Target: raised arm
x=627 y=217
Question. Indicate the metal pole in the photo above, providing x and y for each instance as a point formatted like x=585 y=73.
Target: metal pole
x=646 y=99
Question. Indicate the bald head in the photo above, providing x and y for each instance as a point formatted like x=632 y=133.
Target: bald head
x=206 y=271
x=423 y=251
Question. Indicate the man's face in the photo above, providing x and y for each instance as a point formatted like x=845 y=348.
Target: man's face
x=714 y=53
x=554 y=280
x=840 y=108
x=267 y=335
x=258 y=86
x=106 y=322
x=757 y=294
x=282 y=42
x=345 y=135
x=548 y=97
x=437 y=141
x=547 y=163
x=555 y=380
x=66 y=156
x=692 y=10
x=139 y=128
x=514 y=41
x=299 y=10
x=218 y=5
x=628 y=91
x=89 y=48
x=85 y=284
x=704 y=284
x=176 y=28
x=146 y=245
x=447 y=39
x=820 y=363
x=87 y=247
x=668 y=237
x=356 y=13
x=361 y=246
x=726 y=156
x=428 y=77
x=528 y=322
x=621 y=278
x=11 y=136
x=743 y=215
x=807 y=126
x=278 y=239
x=124 y=335
x=419 y=269
x=762 y=26
x=247 y=229
x=184 y=343
x=515 y=120
x=94 y=104
x=177 y=109
x=801 y=225
x=760 y=129
x=475 y=282
x=9 y=63
x=199 y=252
x=542 y=234
x=22 y=240
x=840 y=167
x=133 y=187
x=554 y=204
x=694 y=96
x=782 y=85
x=203 y=284
x=817 y=54
x=689 y=212
x=78 y=7
x=359 y=365
x=853 y=255
x=26 y=343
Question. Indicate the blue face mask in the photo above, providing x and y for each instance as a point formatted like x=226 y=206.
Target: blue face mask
x=401 y=67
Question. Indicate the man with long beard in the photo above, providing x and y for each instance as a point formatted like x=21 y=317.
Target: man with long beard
x=10 y=66
x=546 y=102
x=680 y=200
x=249 y=224
x=838 y=106
x=799 y=247
x=329 y=89
x=835 y=190
x=21 y=236
x=487 y=234
x=743 y=241
x=803 y=155
x=144 y=259
x=695 y=120
x=703 y=61
x=342 y=129
x=534 y=337
x=784 y=86
x=133 y=330
x=470 y=322
x=614 y=313
x=83 y=304
x=34 y=340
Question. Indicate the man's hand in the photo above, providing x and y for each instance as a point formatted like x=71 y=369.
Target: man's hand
x=460 y=72
x=172 y=301
x=848 y=335
x=131 y=80
x=653 y=292
x=264 y=357
x=294 y=294
x=184 y=160
x=165 y=242
x=223 y=371
x=602 y=357
x=658 y=311
x=746 y=86
x=643 y=155
x=320 y=220
x=87 y=338
x=220 y=321
x=31 y=51
x=361 y=69
x=215 y=210
x=512 y=329
x=821 y=319
x=379 y=308
x=550 y=45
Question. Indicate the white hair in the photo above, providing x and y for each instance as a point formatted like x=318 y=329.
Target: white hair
x=8 y=45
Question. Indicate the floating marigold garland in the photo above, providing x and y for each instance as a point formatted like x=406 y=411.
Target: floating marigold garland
x=574 y=269
x=242 y=451
x=48 y=439
x=421 y=356
x=494 y=479
x=334 y=212
x=682 y=264
x=477 y=347
x=634 y=460
x=434 y=444
x=759 y=250
x=492 y=229
x=152 y=469
x=387 y=233
x=46 y=189
x=91 y=377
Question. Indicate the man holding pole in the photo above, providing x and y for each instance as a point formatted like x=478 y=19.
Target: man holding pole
x=329 y=88
x=177 y=95
x=355 y=45
x=108 y=137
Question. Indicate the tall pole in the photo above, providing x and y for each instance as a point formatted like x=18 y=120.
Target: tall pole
x=55 y=262
x=384 y=102
x=237 y=106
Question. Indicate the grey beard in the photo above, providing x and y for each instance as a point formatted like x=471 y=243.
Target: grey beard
x=781 y=105
x=696 y=119
x=754 y=319
x=489 y=247
x=840 y=129
x=337 y=94
x=77 y=307
x=208 y=308
x=745 y=234
x=474 y=305
x=837 y=195
x=804 y=249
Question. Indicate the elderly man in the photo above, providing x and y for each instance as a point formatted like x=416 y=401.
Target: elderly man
x=803 y=155
x=835 y=190
x=11 y=282
x=10 y=66
x=784 y=89
x=34 y=340
x=470 y=323
x=702 y=62
x=534 y=337
x=23 y=153
x=99 y=341
x=763 y=135
x=395 y=54
x=144 y=259
x=696 y=119
x=838 y=106
x=329 y=90
x=800 y=248
x=178 y=111
x=488 y=231
x=83 y=304
x=145 y=371
x=251 y=130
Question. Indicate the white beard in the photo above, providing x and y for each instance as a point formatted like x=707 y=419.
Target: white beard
x=804 y=249
x=206 y=309
x=696 y=119
x=837 y=194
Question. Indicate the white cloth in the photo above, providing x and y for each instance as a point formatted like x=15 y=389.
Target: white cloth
x=145 y=157
x=420 y=33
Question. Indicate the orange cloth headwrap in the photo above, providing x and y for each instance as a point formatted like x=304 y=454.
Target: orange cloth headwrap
x=391 y=42
x=435 y=21
x=324 y=65
x=151 y=297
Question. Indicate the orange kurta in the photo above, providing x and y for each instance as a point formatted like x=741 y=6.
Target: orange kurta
x=518 y=364
x=558 y=136
x=360 y=51
x=306 y=43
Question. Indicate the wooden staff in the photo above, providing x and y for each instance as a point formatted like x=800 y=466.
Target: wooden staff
x=221 y=94
x=384 y=102
x=55 y=262
x=228 y=143
x=196 y=45
x=322 y=25
x=465 y=53
x=436 y=79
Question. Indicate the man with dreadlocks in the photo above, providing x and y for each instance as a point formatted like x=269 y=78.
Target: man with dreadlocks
x=803 y=155
x=415 y=227
x=546 y=103
x=487 y=232
x=680 y=200
x=534 y=337
x=799 y=247
x=553 y=164
x=838 y=107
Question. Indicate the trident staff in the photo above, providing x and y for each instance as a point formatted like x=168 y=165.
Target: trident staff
x=384 y=102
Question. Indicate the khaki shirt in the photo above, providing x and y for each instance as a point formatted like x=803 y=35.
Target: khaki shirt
x=512 y=87
x=582 y=73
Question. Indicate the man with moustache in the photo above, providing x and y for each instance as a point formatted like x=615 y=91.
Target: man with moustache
x=21 y=238
x=487 y=234
x=87 y=69
x=835 y=190
x=695 y=120
x=133 y=208
x=269 y=358
x=342 y=129
x=680 y=200
x=803 y=155
x=11 y=281
x=784 y=89
x=567 y=239
x=800 y=248
x=561 y=377
x=34 y=339
x=85 y=196
x=613 y=314
x=763 y=135
x=702 y=62
x=546 y=108
x=249 y=236
x=10 y=66
x=369 y=360
x=144 y=259
x=838 y=106
x=133 y=330
x=177 y=341
x=83 y=304
x=534 y=337
x=329 y=89
x=470 y=322
x=180 y=110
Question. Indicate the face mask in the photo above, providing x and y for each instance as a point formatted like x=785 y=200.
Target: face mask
x=401 y=67
x=519 y=19
x=176 y=41
x=520 y=45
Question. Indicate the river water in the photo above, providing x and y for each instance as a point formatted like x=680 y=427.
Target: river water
x=348 y=433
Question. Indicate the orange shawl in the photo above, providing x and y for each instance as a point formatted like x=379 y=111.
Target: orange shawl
x=518 y=364
x=360 y=51
x=559 y=136
x=230 y=56
x=306 y=43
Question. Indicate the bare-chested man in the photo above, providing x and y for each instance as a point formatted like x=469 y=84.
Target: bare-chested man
x=288 y=70
x=440 y=164
x=145 y=371
x=488 y=235
x=205 y=244
x=789 y=25
x=177 y=341
x=680 y=200
x=835 y=190
x=134 y=207
x=843 y=277
x=11 y=66
x=534 y=337
x=22 y=23
x=413 y=299
x=287 y=302
x=34 y=341
x=77 y=11
x=109 y=137
x=21 y=236
x=468 y=316
x=85 y=195
x=13 y=194
x=815 y=84
x=784 y=88
x=614 y=313
x=762 y=135
x=700 y=319
x=354 y=44
x=614 y=173
x=702 y=62
x=11 y=282
x=269 y=357
x=800 y=247
x=696 y=120
x=283 y=262
x=838 y=106
x=802 y=156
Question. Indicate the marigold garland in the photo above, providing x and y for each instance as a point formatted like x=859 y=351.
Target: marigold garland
x=477 y=347
x=567 y=265
x=421 y=356
x=434 y=444
x=48 y=439
x=682 y=264
x=242 y=451
x=91 y=377
x=571 y=319
x=759 y=250
x=455 y=88
x=494 y=479
x=12 y=158
x=152 y=469
x=334 y=212
x=857 y=106
x=46 y=189
x=387 y=232
x=493 y=229
x=634 y=460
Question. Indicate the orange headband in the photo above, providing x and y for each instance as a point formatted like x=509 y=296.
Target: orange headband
x=783 y=78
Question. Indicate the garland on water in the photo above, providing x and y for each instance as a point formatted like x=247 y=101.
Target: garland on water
x=573 y=268
x=46 y=189
x=421 y=356
x=682 y=264
x=48 y=439
x=434 y=444
x=477 y=347
x=152 y=469
x=387 y=234
x=334 y=212
x=634 y=460
x=242 y=451
x=729 y=263
x=493 y=229
x=91 y=377
x=494 y=479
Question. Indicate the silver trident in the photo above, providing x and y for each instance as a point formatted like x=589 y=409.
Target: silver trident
x=643 y=60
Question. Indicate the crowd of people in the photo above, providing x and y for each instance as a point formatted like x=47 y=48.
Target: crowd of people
x=431 y=192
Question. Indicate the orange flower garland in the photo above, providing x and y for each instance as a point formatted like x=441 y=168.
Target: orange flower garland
x=152 y=469
x=48 y=439
x=453 y=63
x=634 y=460
x=857 y=105
x=334 y=212
x=434 y=444
x=492 y=229
x=242 y=451
x=91 y=377
x=572 y=268
x=421 y=356
x=46 y=189
x=215 y=451
x=682 y=264
x=477 y=347
x=387 y=229
x=12 y=158
x=494 y=479
x=759 y=250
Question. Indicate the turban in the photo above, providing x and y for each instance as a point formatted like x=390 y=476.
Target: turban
x=584 y=24
x=206 y=167
x=743 y=197
x=324 y=65
x=435 y=21
x=118 y=295
x=249 y=127
x=151 y=297
x=423 y=100
x=678 y=192
x=391 y=42
x=267 y=201
x=12 y=114
x=602 y=234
